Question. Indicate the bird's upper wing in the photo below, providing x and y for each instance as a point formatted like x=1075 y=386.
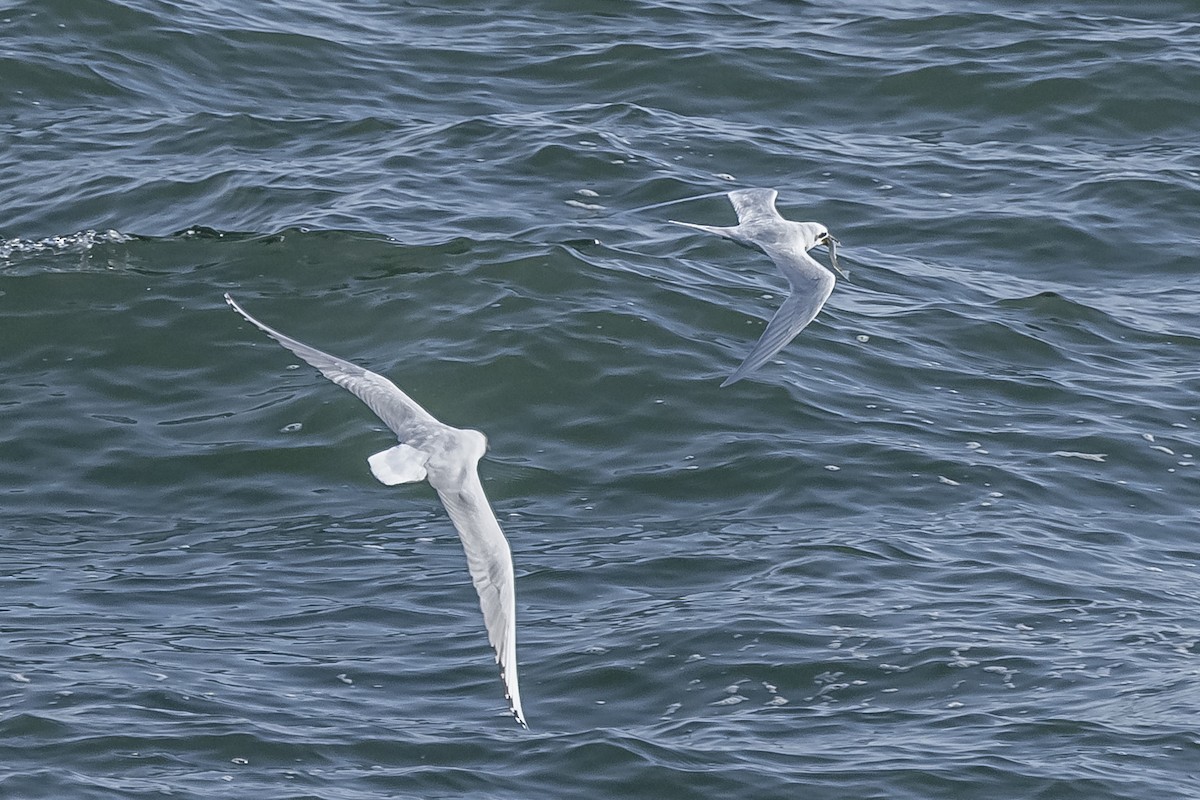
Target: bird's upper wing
x=799 y=309
x=490 y=561
x=397 y=410
x=754 y=205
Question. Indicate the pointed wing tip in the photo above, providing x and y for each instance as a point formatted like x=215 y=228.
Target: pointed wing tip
x=274 y=334
x=511 y=692
x=514 y=707
x=234 y=305
x=749 y=365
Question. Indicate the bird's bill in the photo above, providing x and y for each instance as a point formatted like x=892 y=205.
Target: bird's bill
x=832 y=244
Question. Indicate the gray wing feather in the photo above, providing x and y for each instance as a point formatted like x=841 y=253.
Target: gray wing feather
x=397 y=410
x=793 y=316
x=754 y=205
x=490 y=561
x=802 y=271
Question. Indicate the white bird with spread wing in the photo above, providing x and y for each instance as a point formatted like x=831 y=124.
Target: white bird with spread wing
x=760 y=227
x=447 y=457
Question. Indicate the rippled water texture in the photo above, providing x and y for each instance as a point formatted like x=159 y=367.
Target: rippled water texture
x=945 y=545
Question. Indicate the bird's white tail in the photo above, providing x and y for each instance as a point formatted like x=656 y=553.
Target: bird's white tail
x=713 y=229
x=399 y=464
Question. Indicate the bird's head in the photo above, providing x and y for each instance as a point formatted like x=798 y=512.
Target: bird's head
x=823 y=237
x=475 y=444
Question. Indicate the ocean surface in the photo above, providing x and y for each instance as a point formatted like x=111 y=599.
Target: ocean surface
x=945 y=545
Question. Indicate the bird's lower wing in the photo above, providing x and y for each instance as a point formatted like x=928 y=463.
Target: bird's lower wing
x=397 y=410
x=489 y=560
x=796 y=312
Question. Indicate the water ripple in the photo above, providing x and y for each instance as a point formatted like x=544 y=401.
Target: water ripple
x=942 y=546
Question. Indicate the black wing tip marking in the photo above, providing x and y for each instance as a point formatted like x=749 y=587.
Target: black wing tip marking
x=512 y=707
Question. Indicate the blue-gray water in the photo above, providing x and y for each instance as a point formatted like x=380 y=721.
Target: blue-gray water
x=946 y=545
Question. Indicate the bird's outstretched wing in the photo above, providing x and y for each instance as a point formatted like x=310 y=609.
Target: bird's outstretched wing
x=397 y=410
x=803 y=272
x=755 y=205
x=797 y=311
x=490 y=562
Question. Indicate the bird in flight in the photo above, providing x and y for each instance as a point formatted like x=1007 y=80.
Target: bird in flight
x=448 y=458
x=760 y=227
